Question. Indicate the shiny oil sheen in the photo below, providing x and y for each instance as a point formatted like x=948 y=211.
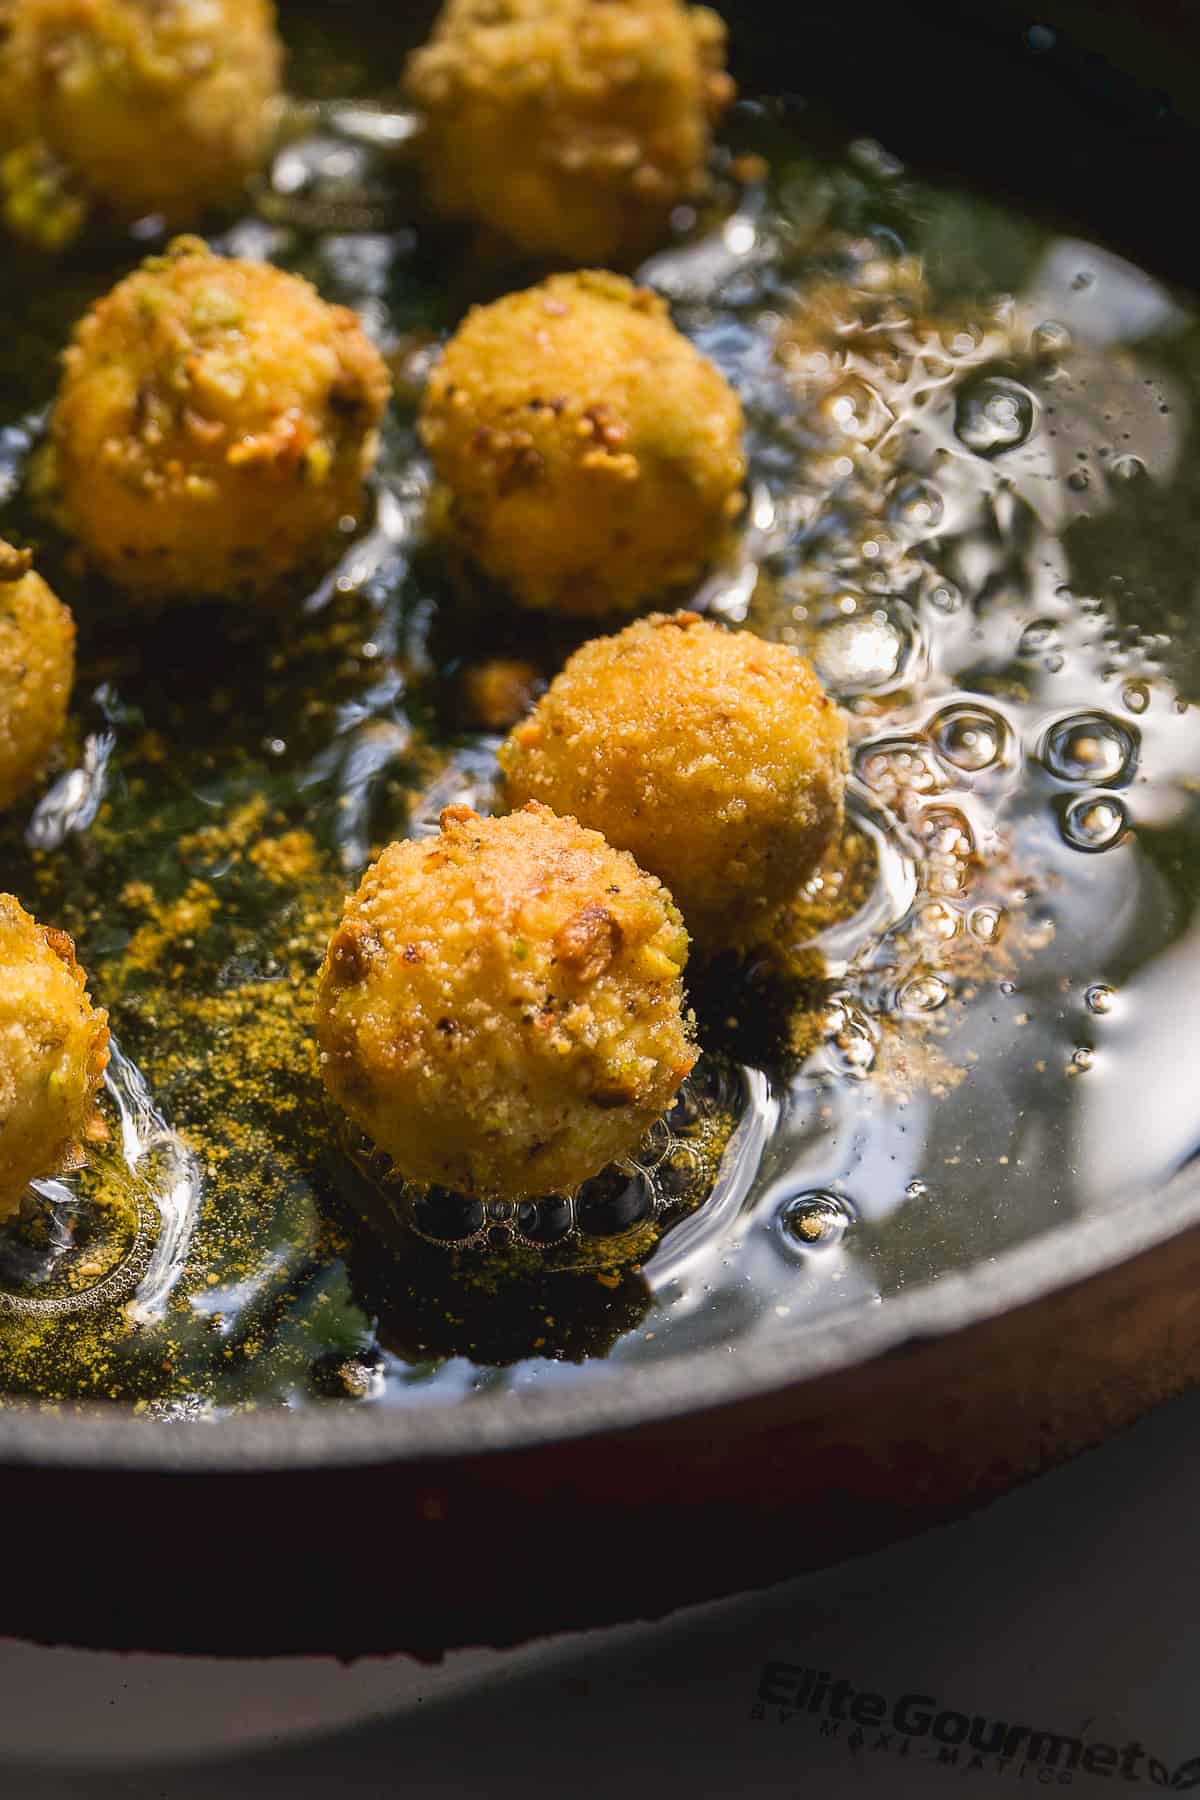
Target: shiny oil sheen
x=990 y=557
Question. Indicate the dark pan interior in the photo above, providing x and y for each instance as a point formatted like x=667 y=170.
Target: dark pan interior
x=1089 y=112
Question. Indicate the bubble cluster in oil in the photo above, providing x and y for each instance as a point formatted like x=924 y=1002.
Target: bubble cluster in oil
x=619 y=1212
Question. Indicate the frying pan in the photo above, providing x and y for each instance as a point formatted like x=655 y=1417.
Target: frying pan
x=359 y=1531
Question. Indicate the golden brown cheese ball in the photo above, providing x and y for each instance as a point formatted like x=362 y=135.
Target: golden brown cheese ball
x=214 y=422
x=592 y=457
x=151 y=106
x=714 y=758
x=37 y=669
x=53 y=1053
x=571 y=127
x=501 y=1008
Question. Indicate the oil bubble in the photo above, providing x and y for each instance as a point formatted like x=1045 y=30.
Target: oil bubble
x=918 y=1190
x=1094 y=822
x=961 y=340
x=680 y=1177
x=1079 y=481
x=816 y=1221
x=950 y=879
x=946 y=832
x=1050 y=340
x=546 y=1221
x=895 y=766
x=939 y=921
x=449 y=1218
x=921 y=994
x=994 y=415
x=1127 y=468
x=1090 y=747
x=850 y=1038
x=613 y=1202
x=1038 y=637
x=855 y=410
x=654 y=1147
x=62 y=1251
x=1135 y=696
x=1082 y=1060
x=944 y=595
x=969 y=737
x=916 y=505
x=1100 y=998
x=706 y=1090
x=866 y=653
x=984 y=924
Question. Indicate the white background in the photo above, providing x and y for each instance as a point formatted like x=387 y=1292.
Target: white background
x=1073 y=1605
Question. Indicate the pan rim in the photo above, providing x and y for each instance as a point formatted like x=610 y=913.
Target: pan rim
x=106 y=1438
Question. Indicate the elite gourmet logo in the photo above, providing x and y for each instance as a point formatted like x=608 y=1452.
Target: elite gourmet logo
x=918 y=1725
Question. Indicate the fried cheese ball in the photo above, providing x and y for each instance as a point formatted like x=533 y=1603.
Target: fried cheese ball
x=592 y=456
x=37 y=669
x=53 y=1053
x=572 y=128
x=501 y=1007
x=149 y=106
x=214 y=422
x=714 y=758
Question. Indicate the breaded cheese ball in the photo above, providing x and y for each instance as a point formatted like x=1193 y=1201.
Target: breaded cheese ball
x=37 y=669
x=571 y=127
x=714 y=758
x=592 y=457
x=501 y=1007
x=53 y=1053
x=151 y=106
x=214 y=422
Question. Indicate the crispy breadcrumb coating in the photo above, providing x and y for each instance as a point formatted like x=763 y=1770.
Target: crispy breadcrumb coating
x=593 y=458
x=37 y=669
x=53 y=1053
x=215 y=421
x=714 y=758
x=147 y=106
x=572 y=128
x=501 y=1007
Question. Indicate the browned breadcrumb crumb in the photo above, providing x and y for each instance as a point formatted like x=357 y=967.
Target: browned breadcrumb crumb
x=285 y=860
